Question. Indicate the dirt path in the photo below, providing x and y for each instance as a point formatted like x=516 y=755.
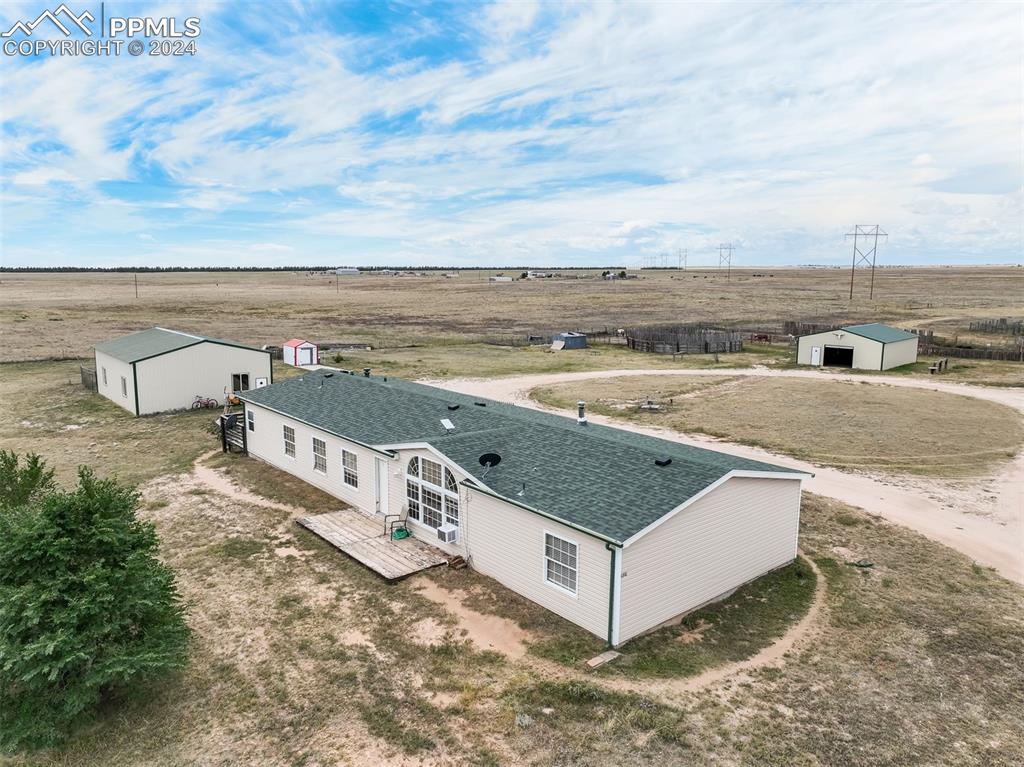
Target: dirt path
x=984 y=519
x=490 y=632
x=219 y=482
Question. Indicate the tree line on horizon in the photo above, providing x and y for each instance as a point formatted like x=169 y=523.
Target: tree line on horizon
x=296 y=268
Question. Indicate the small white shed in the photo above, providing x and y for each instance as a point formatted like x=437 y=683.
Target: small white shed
x=862 y=347
x=300 y=352
x=157 y=370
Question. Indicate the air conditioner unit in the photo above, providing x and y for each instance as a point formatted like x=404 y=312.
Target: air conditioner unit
x=448 y=533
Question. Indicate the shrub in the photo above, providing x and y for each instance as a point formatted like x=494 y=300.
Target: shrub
x=19 y=483
x=86 y=609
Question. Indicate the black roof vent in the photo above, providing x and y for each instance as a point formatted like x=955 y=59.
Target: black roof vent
x=480 y=404
x=490 y=459
x=662 y=461
x=328 y=375
x=453 y=407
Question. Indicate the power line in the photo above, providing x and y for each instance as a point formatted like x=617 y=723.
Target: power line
x=865 y=233
x=681 y=254
x=725 y=259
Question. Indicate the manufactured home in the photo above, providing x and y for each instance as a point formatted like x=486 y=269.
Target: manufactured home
x=157 y=370
x=862 y=347
x=615 y=531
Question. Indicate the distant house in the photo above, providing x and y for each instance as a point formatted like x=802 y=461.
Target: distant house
x=156 y=370
x=346 y=270
x=300 y=352
x=499 y=278
x=615 y=531
x=863 y=347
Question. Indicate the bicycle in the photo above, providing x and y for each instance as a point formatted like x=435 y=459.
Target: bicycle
x=201 y=402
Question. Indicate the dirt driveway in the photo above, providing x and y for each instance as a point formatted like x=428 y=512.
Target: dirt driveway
x=983 y=519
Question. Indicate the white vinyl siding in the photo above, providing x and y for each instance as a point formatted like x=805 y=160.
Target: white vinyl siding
x=560 y=562
x=289 y=441
x=349 y=465
x=319 y=456
x=507 y=544
x=740 y=530
x=267 y=444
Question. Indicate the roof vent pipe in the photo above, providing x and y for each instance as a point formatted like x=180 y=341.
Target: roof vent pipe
x=366 y=372
x=581 y=412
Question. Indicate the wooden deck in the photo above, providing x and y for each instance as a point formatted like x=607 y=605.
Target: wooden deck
x=362 y=537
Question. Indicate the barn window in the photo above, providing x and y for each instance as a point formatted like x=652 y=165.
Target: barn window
x=239 y=382
x=432 y=492
x=560 y=562
x=104 y=376
x=348 y=465
x=250 y=420
x=289 y=441
x=124 y=386
x=319 y=455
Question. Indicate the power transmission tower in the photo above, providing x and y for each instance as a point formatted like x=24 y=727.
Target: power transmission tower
x=681 y=254
x=864 y=234
x=725 y=259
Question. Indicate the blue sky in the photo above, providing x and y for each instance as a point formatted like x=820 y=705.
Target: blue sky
x=520 y=133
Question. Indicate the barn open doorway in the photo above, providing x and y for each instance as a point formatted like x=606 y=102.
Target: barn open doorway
x=838 y=357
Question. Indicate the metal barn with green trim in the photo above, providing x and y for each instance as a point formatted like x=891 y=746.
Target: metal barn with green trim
x=157 y=370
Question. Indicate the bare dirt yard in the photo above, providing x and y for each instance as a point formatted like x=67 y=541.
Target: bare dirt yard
x=53 y=315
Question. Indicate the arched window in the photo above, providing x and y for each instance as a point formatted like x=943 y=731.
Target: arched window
x=432 y=492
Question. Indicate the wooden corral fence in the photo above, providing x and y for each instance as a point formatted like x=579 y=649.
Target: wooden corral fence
x=931 y=345
x=683 y=339
x=88 y=377
x=1001 y=326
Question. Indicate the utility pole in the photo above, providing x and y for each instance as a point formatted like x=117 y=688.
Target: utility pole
x=136 y=284
x=725 y=259
x=864 y=235
x=681 y=254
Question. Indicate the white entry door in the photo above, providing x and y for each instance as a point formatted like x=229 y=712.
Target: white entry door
x=815 y=355
x=381 y=485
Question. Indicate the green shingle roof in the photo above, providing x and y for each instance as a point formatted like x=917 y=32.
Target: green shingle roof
x=154 y=342
x=601 y=479
x=876 y=331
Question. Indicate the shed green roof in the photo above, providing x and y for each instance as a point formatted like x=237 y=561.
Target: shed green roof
x=154 y=342
x=876 y=331
x=596 y=478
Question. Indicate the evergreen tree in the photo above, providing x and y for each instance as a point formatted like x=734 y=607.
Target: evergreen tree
x=86 y=608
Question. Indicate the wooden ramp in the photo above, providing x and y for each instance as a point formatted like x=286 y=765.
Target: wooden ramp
x=363 y=538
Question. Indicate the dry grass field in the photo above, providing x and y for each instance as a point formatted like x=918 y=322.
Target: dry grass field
x=55 y=315
x=845 y=424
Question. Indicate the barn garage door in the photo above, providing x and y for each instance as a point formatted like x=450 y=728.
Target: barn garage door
x=838 y=356
x=305 y=356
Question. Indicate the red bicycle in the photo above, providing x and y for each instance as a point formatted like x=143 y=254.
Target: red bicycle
x=201 y=402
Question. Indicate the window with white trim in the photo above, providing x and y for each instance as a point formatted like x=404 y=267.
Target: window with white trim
x=432 y=493
x=289 y=441
x=124 y=386
x=250 y=419
x=561 y=565
x=349 y=473
x=319 y=455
